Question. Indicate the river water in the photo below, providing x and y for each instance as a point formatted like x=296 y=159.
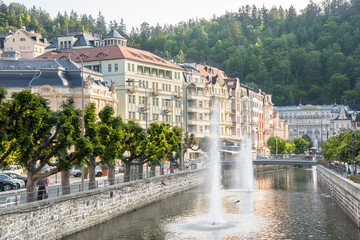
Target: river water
x=287 y=204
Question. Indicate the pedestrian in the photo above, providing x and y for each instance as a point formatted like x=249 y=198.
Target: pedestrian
x=42 y=183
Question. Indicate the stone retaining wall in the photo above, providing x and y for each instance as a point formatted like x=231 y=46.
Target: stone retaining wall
x=345 y=192
x=58 y=217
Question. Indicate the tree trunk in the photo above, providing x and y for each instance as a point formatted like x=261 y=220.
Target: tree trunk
x=141 y=171
x=111 y=173
x=65 y=182
x=30 y=187
x=153 y=169
x=171 y=167
x=127 y=172
x=91 y=166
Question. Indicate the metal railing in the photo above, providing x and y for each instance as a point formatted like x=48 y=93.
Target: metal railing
x=19 y=196
x=340 y=170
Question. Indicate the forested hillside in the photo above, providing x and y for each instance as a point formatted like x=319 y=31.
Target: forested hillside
x=311 y=56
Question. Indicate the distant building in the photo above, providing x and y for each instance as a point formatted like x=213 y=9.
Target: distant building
x=3 y=37
x=29 y=44
x=320 y=122
x=56 y=80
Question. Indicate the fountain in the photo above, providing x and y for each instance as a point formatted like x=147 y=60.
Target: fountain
x=215 y=167
x=243 y=172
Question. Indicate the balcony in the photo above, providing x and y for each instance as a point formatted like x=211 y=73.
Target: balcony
x=156 y=91
x=179 y=94
x=167 y=108
x=133 y=88
x=144 y=107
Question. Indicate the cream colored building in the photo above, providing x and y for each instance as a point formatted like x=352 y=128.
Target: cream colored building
x=320 y=122
x=149 y=88
x=56 y=80
x=29 y=44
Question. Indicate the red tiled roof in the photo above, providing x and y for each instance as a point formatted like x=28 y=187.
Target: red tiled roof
x=230 y=82
x=203 y=69
x=113 y=52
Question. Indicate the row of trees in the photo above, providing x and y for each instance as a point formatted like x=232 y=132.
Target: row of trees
x=344 y=147
x=308 y=57
x=33 y=135
x=298 y=145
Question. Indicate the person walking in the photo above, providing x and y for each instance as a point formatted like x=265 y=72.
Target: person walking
x=42 y=183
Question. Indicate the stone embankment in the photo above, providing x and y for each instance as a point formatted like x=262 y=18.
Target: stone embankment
x=345 y=192
x=59 y=217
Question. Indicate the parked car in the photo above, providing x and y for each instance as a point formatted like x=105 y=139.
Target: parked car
x=98 y=171
x=6 y=185
x=76 y=172
x=16 y=176
x=13 y=169
x=19 y=183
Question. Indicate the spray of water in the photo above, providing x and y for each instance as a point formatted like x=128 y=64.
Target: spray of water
x=215 y=167
x=243 y=172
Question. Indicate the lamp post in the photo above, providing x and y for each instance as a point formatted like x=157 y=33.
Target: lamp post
x=82 y=107
x=146 y=101
x=353 y=153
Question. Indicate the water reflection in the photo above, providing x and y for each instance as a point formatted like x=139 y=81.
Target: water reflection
x=287 y=205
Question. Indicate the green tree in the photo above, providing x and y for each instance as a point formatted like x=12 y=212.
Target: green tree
x=338 y=84
x=111 y=135
x=308 y=140
x=300 y=145
x=276 y=145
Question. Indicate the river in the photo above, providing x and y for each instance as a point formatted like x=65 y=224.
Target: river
x=287 y=204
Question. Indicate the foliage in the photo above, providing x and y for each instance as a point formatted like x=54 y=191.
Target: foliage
x=354 y=178
x=340 y=147
x=300 y=145
x=276 y=143
x=308 y=140
x=205 y=144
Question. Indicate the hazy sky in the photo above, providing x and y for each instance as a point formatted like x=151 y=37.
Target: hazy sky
x=134 y=12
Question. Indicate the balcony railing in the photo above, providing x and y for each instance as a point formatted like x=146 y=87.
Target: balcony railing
x=156 y=91
x=144 y=107
x=179 y=94
x=133 y=88
x=168 y=108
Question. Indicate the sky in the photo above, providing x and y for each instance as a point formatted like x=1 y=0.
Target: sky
x=135 y=12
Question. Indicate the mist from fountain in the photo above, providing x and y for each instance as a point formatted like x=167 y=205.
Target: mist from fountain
x=215 y=167
x=242 y=177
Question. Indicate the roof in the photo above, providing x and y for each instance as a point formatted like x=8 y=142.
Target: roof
x=53 y=45
x=82 y=41
x=212 y=73
x=113 y=52
x=230 y=83
x=113 y=34
x=24 y=73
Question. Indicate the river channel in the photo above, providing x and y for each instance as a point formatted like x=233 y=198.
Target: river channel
x=287 y=204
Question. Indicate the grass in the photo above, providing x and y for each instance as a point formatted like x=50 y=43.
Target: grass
x=355 y=178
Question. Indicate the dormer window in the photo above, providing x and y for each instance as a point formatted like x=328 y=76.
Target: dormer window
x=101 y=55
x=139 y=56
x=83 y=56
x=63 y=58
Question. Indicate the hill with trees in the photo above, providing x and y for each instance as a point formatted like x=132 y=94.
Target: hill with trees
x=311 y=56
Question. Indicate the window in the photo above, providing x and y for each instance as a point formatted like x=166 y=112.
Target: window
x=201 y=129
x=133 y=67
x=101 y=55
x=129 y=69
x=109 y=67
x=116 y=67
x=22 y=39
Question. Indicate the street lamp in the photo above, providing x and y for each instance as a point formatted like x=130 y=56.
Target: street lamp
x=146 y=100
x=82 y=107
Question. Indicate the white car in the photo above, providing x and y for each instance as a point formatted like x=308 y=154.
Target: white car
x=13 y=169
x=19 y=183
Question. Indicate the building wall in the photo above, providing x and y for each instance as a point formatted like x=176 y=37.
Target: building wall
x=58 y=217
x=28 y=48
x=343 y=191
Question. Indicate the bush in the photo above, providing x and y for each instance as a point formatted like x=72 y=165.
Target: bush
x=355 y=178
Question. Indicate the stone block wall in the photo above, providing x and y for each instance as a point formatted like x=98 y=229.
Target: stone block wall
x=345 y=192
x=58 y=217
